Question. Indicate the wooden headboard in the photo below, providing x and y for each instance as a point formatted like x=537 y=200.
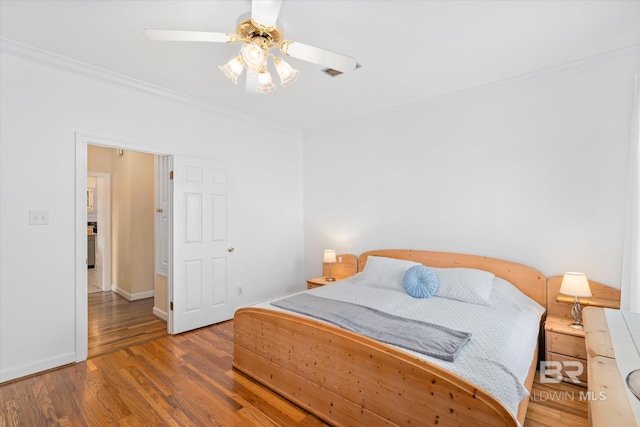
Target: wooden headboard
x=560 y=305
x=346 y=266
x=529 y=280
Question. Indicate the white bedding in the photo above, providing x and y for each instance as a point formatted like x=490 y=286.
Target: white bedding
x=499 y=354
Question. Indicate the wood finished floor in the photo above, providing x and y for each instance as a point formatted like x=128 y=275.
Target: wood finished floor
x=187 y=380
x=93 y=280
x=115 y=323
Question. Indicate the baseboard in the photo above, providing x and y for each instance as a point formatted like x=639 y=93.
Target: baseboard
x=36 y=367
x=161 y=314
x=132 y=297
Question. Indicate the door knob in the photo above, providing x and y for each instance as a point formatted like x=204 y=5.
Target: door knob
x=230 y=249
x=158 y=209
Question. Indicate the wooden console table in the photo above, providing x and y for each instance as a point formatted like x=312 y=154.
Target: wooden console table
x=608 y=398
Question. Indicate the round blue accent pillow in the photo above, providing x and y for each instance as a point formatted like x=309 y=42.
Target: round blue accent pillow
x=420 y=281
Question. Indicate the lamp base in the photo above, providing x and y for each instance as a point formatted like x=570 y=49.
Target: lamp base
x=576 y=312
x=329 y=279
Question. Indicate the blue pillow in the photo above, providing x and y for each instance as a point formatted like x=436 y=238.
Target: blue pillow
x=420 y=281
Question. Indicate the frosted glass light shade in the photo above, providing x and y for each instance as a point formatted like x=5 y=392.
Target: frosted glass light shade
x=265 y=82
x=233 y=69
x=254 y=56
x=329 y=256
x=288 y=75
x=575 y=285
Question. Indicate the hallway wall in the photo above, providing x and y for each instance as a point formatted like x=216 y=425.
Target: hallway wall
x=132 y=216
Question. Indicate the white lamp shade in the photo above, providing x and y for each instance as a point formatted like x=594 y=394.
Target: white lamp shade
x=330 y=256
x=575 y=285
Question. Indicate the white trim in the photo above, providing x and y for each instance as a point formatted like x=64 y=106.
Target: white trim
x=630 y=283
x=44 y=57
x=170 y=327
x=82 y=299
x=132 y=297
x=104 y=141
x=42 y=365
x=161 y=314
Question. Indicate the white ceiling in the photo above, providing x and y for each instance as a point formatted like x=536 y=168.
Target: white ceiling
x=410 y=51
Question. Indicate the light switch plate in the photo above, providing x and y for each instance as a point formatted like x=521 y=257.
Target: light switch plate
x=38 y=217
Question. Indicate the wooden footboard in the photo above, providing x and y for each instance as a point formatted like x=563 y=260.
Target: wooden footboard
x=348 y=379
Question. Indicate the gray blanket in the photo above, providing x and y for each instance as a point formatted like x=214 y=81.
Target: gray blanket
x=426 y=338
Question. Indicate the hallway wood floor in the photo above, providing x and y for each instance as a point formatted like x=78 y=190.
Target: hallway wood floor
x=115 y=323
x=187 y=380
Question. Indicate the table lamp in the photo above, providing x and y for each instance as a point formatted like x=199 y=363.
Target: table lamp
x=330 y=258
x=575 y=285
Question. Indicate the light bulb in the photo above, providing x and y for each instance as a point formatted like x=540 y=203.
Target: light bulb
x=254 y=56
x=288 y=75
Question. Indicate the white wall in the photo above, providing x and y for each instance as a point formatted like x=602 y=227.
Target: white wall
x=532 y=171
x=43 y=105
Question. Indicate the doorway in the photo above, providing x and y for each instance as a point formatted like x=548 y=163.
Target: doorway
x=198 y=283
x=122 y=313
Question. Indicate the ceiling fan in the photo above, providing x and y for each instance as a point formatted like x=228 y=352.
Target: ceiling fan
x=259 y=34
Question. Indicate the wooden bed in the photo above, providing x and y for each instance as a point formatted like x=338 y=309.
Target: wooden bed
x=348 y=379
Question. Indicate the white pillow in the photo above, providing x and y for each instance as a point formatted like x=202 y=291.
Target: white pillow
x=382 y=272
x=464 y=284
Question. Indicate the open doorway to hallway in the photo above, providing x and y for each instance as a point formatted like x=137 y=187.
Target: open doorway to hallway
x=129 y=299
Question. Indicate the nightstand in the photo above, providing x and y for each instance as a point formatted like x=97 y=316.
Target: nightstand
x=564 y=344
x=316 y=282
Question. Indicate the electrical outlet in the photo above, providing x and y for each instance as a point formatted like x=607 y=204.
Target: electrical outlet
x=38 y=217
x=240 y=290
x=339 y=259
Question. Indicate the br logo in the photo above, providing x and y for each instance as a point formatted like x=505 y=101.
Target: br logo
x=553 y=372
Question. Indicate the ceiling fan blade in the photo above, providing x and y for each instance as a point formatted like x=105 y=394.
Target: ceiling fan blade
x=251 y=87
x=319 y=56
x=188 y=36
x=265 y=12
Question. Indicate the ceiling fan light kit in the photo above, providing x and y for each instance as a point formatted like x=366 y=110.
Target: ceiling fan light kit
x=259 y=34
x=254 y=55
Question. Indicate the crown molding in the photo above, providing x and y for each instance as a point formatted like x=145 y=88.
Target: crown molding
x=41 y=56
x=568 y=66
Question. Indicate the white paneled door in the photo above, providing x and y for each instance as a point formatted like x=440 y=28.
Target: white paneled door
x=200 y=270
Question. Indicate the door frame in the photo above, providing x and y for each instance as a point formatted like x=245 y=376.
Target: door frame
x=81 y=296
